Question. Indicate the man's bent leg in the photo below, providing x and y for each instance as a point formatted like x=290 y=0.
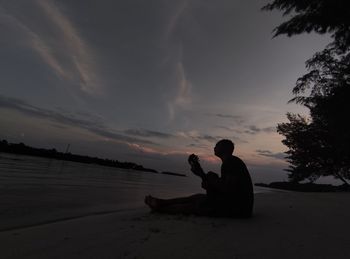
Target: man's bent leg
x=194 y=204
x=182 y=200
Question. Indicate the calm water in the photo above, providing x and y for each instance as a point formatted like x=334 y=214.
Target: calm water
x=34 y=190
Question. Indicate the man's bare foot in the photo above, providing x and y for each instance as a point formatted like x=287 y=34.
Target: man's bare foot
x=152 y=202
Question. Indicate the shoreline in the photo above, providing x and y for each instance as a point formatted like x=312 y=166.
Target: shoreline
x=284 y=225
x=305 y=187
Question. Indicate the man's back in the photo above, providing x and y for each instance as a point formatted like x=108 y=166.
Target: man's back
x=240 y=188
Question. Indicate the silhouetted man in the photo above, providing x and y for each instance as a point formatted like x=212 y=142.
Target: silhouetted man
x=229 y=195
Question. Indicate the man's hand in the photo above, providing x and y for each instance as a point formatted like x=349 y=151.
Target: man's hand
x=196 y=168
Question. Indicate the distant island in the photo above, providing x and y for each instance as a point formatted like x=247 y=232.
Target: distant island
x=176 y=174
x=22 y=149
x=305 y=187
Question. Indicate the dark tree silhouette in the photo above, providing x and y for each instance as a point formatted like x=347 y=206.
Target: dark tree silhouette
x=319 y=144
x=321 y=16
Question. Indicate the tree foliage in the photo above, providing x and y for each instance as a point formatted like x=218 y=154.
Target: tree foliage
x=320 y=16
x=319 y=145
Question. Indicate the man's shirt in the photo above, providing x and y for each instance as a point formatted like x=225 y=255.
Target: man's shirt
x=234 y=189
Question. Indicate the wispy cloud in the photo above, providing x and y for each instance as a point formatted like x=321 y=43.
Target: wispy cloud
x=183 y=98
x=175 y=17
x=248 y=129
x=197 y=137
x=237 y=119
x=147 y=133
x=197 y=145
x=252 y=129
x=63 y=49
x=268 y=153
x=242 y=133
x=231 y=129
x=228 y=116
x=36 y=42
x=95 y=126
x=143 y=149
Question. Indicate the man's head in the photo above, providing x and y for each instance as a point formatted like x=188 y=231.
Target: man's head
x=224 y=148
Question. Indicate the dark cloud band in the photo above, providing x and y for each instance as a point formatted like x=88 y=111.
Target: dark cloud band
x=94 y=126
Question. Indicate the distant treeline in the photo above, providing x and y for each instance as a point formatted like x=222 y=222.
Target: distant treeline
x=305 y=187
x=23 y=149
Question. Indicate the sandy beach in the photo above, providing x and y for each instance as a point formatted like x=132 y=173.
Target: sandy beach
x=284 y=225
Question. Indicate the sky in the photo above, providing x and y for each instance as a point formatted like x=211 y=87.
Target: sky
x=150 y=81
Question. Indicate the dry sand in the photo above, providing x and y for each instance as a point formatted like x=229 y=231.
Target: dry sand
x=284 y=225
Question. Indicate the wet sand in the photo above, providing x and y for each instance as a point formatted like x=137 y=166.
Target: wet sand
x=284 y=225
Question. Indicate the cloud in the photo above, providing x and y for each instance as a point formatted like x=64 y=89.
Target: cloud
x=147 y=133
x=58 y=44
x=228 y=116
x=268 y=153
x=232 y=129
x=252 y=129
x=209 y=138
x=197 y=137
x=116 y=136
x=142 y=149
x=36 y=42
x=183 y=97
x=95 y=126
x=175 y=17
x=197 y=145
